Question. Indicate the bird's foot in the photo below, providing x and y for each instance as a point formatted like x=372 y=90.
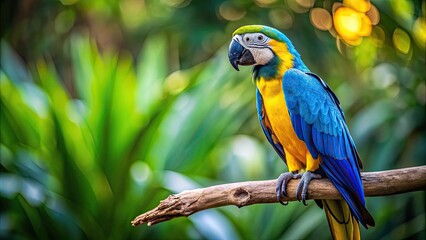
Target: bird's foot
x=282 y=182
x=302 y=188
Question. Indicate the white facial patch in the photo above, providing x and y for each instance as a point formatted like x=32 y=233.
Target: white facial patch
x=262 y=56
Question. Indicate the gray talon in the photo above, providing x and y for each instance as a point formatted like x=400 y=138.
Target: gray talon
x=302 y=188
x=282 y=182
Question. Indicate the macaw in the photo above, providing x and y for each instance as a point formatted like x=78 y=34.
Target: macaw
x=303 y=121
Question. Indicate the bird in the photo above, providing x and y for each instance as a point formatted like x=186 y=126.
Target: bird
x=302 y=119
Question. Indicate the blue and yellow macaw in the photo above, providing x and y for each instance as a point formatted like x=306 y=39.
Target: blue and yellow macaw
x=302 y=119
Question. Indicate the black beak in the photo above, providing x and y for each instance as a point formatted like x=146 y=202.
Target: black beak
x=238 y=55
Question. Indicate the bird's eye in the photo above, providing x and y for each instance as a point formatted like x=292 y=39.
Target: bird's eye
x=247 y=39
x=260 y=37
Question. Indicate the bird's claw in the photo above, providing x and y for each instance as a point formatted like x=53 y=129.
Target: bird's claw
x=302 y=188
x=282 y=182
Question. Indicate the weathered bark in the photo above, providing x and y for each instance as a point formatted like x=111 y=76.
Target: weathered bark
x=247 y=193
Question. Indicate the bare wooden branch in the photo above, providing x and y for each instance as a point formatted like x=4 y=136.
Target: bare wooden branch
x=247 y=193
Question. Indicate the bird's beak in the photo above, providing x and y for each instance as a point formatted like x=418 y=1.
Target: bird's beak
x=238 y=55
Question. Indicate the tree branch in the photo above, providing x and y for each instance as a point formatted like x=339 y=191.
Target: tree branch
x=243 y=194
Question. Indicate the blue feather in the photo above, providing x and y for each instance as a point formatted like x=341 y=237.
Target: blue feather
x=319 y=121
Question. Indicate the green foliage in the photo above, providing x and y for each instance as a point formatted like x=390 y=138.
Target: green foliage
x=92 y=137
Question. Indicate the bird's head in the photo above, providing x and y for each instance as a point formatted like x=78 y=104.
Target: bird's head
x=257 y=45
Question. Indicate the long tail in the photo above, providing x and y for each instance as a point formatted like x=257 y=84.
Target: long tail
x=342 y=223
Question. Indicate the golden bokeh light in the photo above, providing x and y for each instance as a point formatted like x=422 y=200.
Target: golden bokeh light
x=366 y=26
x=358 y=5
x=354 y=42
x=419 y=32
x=321 y=19
x=353 y=20
x=348 y=23
x=401 y=40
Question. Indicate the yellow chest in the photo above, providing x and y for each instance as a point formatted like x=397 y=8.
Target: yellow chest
x=279 y=118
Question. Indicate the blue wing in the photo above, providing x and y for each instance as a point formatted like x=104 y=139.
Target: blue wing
x=319 y=121
x=266 y=127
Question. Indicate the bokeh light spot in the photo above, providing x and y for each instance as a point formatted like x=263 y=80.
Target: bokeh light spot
x=421 y=93
x=231 y=12
x=306 y=3
x=401 y=41
x=64 y=21
x=281 y=18
x=378 y=36
x=358 y=5
x=347 y=23
x=264 y=3
x=365 y=26
x=336 y=6
x=354 y=42
x=340 y=46
x=321 y=19
x=353 y=20
x=296 y=7
x=351 y=25
x=419 y=32
x=383 y=75
x=140 y=171
x=374 y=15
x=176 y=82
x=133 y=13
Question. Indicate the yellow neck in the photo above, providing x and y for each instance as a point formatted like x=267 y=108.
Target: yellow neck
x=286 y=58
x=269 y=87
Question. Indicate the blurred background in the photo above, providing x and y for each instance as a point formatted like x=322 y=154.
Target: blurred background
x=107 y=107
